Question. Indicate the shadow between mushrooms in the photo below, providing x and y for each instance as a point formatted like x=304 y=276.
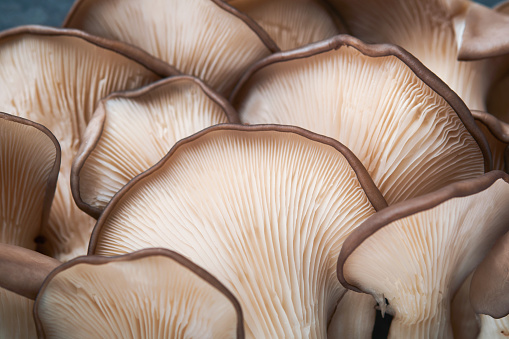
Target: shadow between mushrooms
x=265 y=209
x=417 y=253
x=55 y=77
x=29 y=164
x=132 y=131
x=208 y=39
x=411 y=132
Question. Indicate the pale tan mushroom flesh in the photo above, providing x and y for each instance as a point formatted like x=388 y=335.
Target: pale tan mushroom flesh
x=290 y=23
x=132 y=131
x=411 y=132
x=154 y=293
x=265 y=209
x=29 y=164
x=55 y=77
x=416 y=254
x=354 y=317
x=204 y=38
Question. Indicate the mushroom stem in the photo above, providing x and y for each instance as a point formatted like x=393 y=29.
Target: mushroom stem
x=24 y=271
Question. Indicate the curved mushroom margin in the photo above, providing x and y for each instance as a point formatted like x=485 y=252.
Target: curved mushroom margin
x=409 y=207
x=96 y=125
x=52 y=180
x=375 y=51
x=253 y=25
x=498 y=128
x=372 y=193
x=129 y=51
x=99 y=260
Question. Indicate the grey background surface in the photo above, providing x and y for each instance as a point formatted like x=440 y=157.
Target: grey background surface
x=52 y=12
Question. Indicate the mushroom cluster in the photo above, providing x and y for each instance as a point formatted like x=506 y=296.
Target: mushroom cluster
x=256 y=168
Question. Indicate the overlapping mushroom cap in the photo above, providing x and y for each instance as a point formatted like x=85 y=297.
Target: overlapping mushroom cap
x=291 y=23
x=411 y=132
x=417 y=253
x=55 y=77
x=154 y=293
x=29 y=164
x=265 y=209
x=497 y=135
x=132 y=131
x=205 y=38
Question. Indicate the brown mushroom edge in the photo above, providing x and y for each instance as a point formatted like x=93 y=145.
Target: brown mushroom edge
x=373 y=194
x=96 y=126
x=52 y=179
x=375 y=51
x=99 y=260
x=498 y=128
x=409 y=207
x=253 y=25
x=131 y=52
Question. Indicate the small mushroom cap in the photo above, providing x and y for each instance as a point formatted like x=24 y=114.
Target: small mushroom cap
x=29 y=164
x=489 y=289
x=132 y=131
x=417 y=253
x=153 y=293
x=205 y=38
x=263 y=208
x=55 y=77
x=290 y=23
x=411 y=132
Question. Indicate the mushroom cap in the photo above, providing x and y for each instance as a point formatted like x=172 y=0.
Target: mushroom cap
x=412 y=133
x=55 y=77
x=132 y=131
x=417 y=253
x=29 y=164
x=263 y=208
x=489 y=289
x=290 y=23
x=205 y=38
x=153 y=293
x=493 y=328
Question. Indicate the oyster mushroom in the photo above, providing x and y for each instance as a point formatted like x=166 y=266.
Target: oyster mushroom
x=131 y=131
x=269 y=227
x=417 y=253
x=208 y=39
x=411 y=132
x=55 y=77
x=497 y=134
x=29 y=164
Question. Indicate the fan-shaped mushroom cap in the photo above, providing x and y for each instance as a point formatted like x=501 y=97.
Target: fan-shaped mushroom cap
x=354 y=317
x=55 y=77
x=154 y=293
x=132 y=131
x=489 y=290
x=497 y=134
x=29 y=163
x=502 y=7
x=407 y=127
x=265 y=209
x=205 y=38
x=290 y=23
x=417 y=253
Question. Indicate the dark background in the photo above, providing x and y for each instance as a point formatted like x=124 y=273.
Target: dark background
x=52 y=12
